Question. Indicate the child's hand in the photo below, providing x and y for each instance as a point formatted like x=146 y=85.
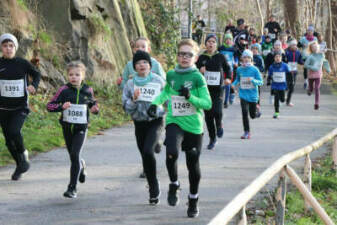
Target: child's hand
x=202 y=69
x=136 y=95
x=94 y=109
x=119 y=80
x=66 y=105
x=31 y=89
x=228 y=81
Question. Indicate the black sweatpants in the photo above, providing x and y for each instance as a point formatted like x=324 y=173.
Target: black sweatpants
x=147 y=136
x=213 y=117
x=291 y=81
x=247 y=107
x=177 y=139
x=279 y=97
x=11 y=123
x=74 y=141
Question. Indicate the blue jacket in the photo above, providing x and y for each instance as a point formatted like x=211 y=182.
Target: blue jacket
x=294 y=56
x=277 y=73
x=231 y=55
x=258 y=62
x=248 y=89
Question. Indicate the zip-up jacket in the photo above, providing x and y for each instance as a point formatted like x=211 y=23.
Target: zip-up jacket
x=270 y=60
x=68 y=93
x=258 y=62
x=14 y=82
x=277 y=74
x=293 y=57
x=231 y=55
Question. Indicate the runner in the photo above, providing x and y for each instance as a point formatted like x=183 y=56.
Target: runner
x=187 y=95
x=74 y=101
x=15 y=88
x=314 y=63
x=249 y=78
x=273 y=28
x=277 y=77
x=138 y=94
x=213 y=65
x=259 y=63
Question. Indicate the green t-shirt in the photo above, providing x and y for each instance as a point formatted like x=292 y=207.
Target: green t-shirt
x=200 y=100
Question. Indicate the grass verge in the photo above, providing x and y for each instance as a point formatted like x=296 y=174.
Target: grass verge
x=42 y=130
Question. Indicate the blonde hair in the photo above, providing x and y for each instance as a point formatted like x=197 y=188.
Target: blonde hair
x=310 y=46
x=190 y=43
x=76 y=64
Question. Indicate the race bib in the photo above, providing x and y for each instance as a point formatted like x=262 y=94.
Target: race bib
x=292 y=66
x=12 y=88
x=76 y=113
x=181 y=107
x=266 y=52
x=212 y=78
x=148 y=92
x=245 y=83
x=279 y=77
x=272 y=36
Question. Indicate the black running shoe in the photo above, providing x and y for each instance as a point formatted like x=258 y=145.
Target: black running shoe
x=172 y=197
x=17 y=174
x=157 y=148
x=24 y=162
x=83 y=173
x=193 y=210
x=154 y=195
x=71 y=192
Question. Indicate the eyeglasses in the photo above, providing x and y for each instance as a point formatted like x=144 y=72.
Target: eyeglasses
x=185 y=54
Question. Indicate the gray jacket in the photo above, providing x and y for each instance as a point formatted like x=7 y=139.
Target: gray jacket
x=138 y=109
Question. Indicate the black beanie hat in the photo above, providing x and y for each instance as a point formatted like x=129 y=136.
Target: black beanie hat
x=240 y=21
x=141 y=55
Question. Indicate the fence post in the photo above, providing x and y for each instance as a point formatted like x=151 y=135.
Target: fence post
x=334 y=154
x=307 y=179
x=242 y=220
x=281 y=199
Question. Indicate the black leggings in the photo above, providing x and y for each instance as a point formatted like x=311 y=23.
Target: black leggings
x=147 y=136
x=291 y=81
x=279 y=97
x=213 y=117
x=74 y=141
x=11 y=123
x=177 y=139
x=247 y=107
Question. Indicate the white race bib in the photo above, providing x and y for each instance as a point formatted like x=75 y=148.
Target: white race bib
x=76 y=113
x=266 y=52
x=12 y=88
x=292 y=66
x=279 y=77
x=148 y=92
x=212 y=78
x=272 y=36
x=181 y=107
x=245 y=83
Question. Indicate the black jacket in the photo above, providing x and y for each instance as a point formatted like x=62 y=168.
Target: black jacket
x=16 y=69
x=68 y=93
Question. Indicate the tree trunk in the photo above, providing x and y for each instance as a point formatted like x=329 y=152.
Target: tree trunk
x=330 y=32
x=291 y=16
x=261 y=16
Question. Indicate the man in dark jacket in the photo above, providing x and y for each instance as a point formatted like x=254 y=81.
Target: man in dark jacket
x=273 y=28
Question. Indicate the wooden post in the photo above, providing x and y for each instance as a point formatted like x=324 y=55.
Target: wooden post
x=242 y=217
x=307 y=179
x=334 y=154
x=307 y=195
x=281 y=199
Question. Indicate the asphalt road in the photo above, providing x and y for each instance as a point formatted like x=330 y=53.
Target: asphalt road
x=113 y=193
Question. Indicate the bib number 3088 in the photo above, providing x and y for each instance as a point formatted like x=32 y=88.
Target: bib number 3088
x=76 y=113
x=181 y=107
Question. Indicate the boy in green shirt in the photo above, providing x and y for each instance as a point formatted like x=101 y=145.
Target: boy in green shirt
x=187 y=95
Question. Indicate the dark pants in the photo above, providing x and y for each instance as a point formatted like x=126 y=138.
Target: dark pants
x=213 y=117
x=74 y=141
x=11 y=123
x=279 y=97
x=305 y=73
x=247 y=107
x=317 y=82
x=291 y=81
x=147 y=136
x=177 y=139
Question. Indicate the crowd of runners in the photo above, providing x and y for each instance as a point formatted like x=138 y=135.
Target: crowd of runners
x=201 y=86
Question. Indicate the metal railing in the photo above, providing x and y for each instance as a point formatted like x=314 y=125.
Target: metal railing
x=238 y=204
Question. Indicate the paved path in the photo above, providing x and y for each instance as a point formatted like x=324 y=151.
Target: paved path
x=113 y=193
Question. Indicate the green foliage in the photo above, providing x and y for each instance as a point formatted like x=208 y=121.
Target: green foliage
x=45 y=37
x=43 y=132
x=163 y=27
x=98 y=26
x=22 y=4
